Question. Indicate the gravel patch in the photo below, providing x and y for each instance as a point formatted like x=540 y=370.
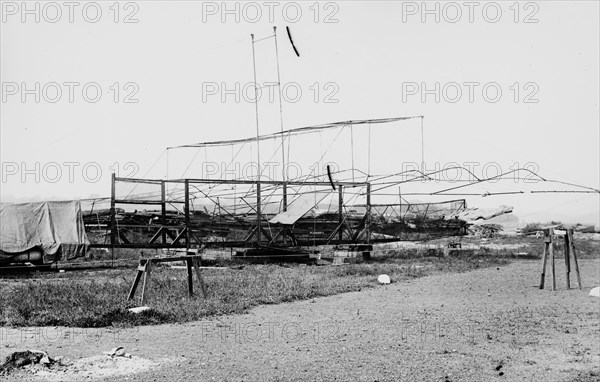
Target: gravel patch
x=485 y=325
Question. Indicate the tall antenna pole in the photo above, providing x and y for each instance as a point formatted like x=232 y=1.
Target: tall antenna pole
x=369 y=155
x=258 y=197
x=256 y=109
x=283 y=168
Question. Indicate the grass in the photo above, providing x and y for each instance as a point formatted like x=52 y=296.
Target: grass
x=98 y=298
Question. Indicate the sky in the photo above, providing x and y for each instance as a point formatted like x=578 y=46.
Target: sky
x=93 y=88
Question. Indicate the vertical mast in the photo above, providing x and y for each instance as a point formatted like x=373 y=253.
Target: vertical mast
x=283 y=168
x=258 y=198
x=256 y=108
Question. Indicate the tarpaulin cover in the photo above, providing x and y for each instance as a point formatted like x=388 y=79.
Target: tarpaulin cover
x=473 y=214
x=47 y=225
x=298 y=208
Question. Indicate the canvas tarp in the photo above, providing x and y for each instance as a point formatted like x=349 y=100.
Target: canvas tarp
x=55 y=227
x=473 y=214
x=299 y=207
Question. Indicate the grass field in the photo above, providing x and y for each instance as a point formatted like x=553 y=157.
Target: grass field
x=98 y=298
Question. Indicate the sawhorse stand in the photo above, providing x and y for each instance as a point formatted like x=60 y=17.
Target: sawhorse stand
x=145 y=267
x=568 y=250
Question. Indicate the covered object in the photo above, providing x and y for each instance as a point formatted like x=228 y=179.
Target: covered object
x=55 y=228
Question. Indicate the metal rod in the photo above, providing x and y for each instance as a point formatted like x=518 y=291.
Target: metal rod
x=369 y=155
x=283 y=177
x=256 y=108
x=235 y=181
x=301 y=130
x=264 y=38
x=340 y=209
x=352 y=149
x=422 y=144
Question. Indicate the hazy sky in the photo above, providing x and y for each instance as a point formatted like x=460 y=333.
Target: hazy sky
x=498 y=82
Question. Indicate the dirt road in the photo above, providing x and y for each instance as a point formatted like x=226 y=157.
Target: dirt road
x=485 y=325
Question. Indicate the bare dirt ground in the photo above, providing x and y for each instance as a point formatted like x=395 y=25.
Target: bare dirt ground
x=484 y=325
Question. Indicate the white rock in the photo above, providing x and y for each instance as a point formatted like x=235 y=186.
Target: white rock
x=384 y=279
x=112 y=352
x=595 y=292
x=139 y=309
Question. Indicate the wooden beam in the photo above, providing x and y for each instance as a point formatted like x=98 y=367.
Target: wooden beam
x=266 y=233
x=235 y=181
x=138 y=276
x=146 y=280
x=190 y=280
x=272 y=241
x=113 y=217
x=140 y=245
x=187 y=213
x=157 y=235
x=163 y=212
x=249 y=236
x=122 y=237
x=552 y=265
x=340 y=209
x=567 y=262
x=180 y=236
x=572 y=243
x=195 y=261
x=138 y=201
x=544 y=261
x=285 y=196
x=258 y=212
x=368 y=222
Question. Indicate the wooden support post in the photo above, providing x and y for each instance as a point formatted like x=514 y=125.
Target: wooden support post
x=400 y=211
x=140 y=270
x=113 y=217
x=258 y=212
x=340 y=211
x=552 y=265
x=285 y=203
x=544 y=260
x=567 y=261
x=187 y=214
x=199 y=275
x=146 y=280
x=368 y=221
x=163 y=205
x=572 y=250
x=285 y=197
x=188 y=263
